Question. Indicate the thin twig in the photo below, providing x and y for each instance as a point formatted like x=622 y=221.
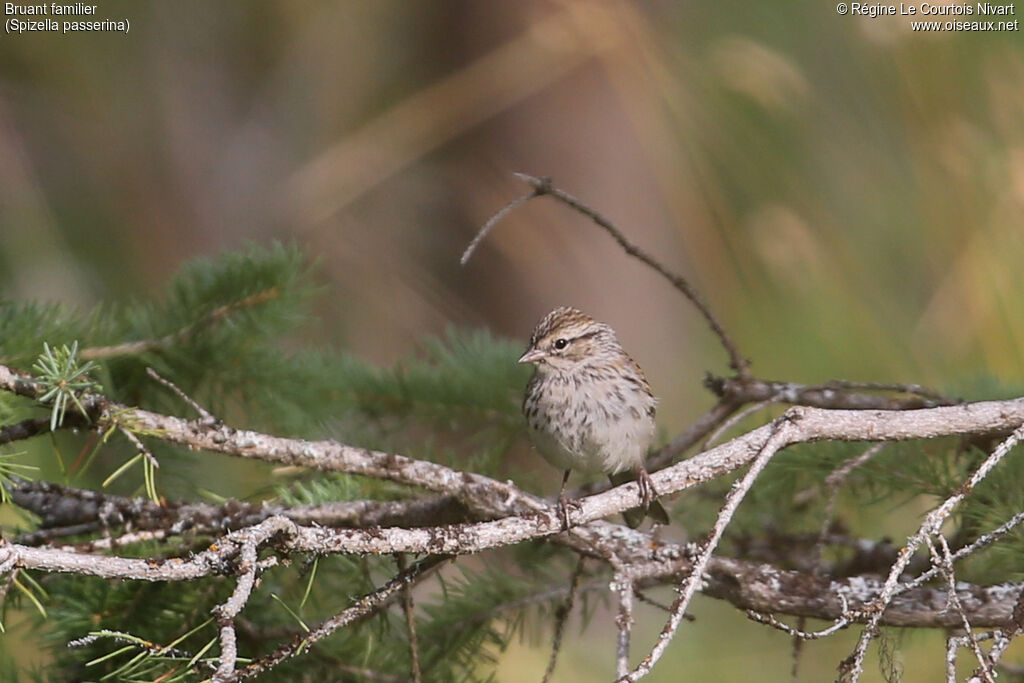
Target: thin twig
x=945 y=561
x=544 y=186
x=212 y=317
x=981 y=542
x=646 y=599
x=995 y=653
x=562 y=618
x=1003 y=637
x=227 y=612
x=664 y=456
x=777 y=438
x=8 y=582
x=247 y=543
x=797 y=650
x=952 y=649
x=410 y=622
x=955 y=642
x=733 y=421
x=368 y=605
x=693 y=434
x=931 y=525
x=770 y=620
x=203 y=413
x=139 y=446
x=623 y=584
x=492 y=221
x=833 y=481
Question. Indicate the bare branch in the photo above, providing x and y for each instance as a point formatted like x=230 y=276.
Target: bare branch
x=995 y=653
x=769 y=620
x=733 y=421
x=746 y=585
x=227 y=612
x=139 y=446
x=955 y=642
x=833 y=481
x=544 y=186
x=945 y=561
x=488 y=497
x=562 y=618
x=67 y=511
x=410 y=622
x=25 y=429
x=834 y=394
x=693 y=434
x=777 y=439
x=767 y=589
x=203 y=413
x=931 y=525
x=210 y=562
x=952 y=648
x=366 y=606
x=982 y=541
x=623 y=584
x=511 y=516
x=492 y=221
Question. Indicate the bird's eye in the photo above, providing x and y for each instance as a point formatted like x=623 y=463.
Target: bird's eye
x=561 y=343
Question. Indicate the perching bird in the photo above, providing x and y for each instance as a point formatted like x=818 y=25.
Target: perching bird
x=589 y=407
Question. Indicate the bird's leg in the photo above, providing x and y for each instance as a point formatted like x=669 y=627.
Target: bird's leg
x=564 y=503
x=646 y=486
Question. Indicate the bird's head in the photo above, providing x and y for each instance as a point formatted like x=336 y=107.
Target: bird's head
x=567 y=339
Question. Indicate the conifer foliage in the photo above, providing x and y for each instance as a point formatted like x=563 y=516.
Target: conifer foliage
x=192 y=493
x=220 y=334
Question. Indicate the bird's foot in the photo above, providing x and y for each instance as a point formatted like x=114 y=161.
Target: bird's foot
x=646 y=486
x=564 y=503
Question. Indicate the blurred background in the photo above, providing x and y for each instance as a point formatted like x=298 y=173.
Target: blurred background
x=846 y=193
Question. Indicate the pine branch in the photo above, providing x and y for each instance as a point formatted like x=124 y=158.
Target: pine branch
x=67 y=511
x=839 y=394
x=213 y=317
x=515 y=516
x=485 y=495
x=26 y=429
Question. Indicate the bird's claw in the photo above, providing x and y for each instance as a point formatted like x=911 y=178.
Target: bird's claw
x=646 y=487
x=564 y=503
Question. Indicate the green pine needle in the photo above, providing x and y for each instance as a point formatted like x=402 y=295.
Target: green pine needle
x=9 y=469
x=63 y=379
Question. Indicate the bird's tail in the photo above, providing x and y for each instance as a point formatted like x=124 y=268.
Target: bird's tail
x=635 y=516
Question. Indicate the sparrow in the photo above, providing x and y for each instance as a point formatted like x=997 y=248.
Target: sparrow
x=589 y=407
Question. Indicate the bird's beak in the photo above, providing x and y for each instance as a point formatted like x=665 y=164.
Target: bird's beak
x=532 y=356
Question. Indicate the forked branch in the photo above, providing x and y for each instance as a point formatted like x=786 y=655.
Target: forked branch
x=544 y=187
